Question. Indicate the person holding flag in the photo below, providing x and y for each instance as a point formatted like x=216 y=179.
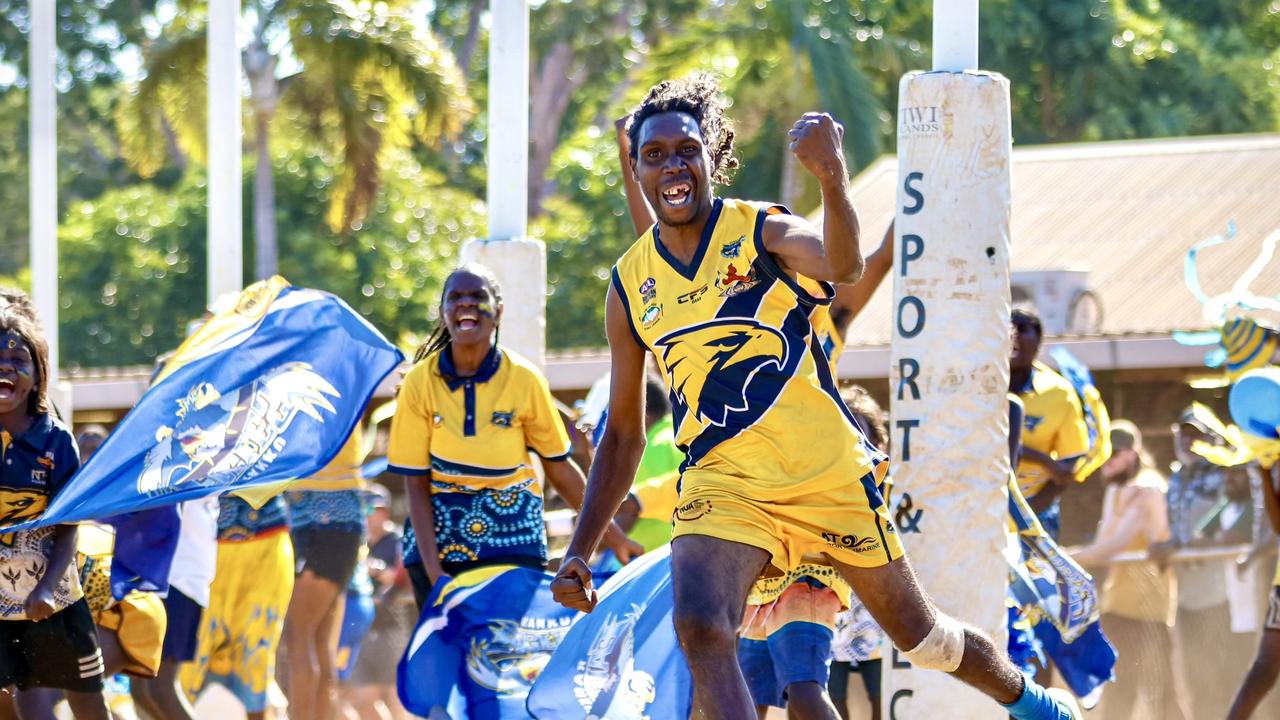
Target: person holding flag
x=255 y=397
x=241 y=630
x=1255 y=408
x=47 y=635
x=468 y=413
x=788 y=664
x=1055 y=436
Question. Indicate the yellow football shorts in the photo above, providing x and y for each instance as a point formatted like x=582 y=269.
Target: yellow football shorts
x=849 y=522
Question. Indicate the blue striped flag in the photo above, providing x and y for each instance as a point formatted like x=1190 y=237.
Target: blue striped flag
x=264 y=392
x=622 y=661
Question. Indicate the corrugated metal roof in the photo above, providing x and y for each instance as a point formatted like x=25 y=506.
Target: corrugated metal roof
x=1125 y=211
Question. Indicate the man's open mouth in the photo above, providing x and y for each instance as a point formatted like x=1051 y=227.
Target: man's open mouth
x=677 y=195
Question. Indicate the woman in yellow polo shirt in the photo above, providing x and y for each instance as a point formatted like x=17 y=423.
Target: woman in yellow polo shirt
x=467 y=416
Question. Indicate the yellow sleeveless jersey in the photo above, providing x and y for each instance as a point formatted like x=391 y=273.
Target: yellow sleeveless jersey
x=752 y=391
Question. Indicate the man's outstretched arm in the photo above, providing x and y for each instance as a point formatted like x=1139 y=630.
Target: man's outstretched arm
x=833 y=254
x=616 y=461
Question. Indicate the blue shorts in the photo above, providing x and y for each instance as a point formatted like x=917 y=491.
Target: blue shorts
x=796 y=652
x=182 y=633
x=357 y=618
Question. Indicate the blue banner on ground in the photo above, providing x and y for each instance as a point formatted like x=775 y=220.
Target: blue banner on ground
x=481 y=641
x=266 y=391
x=622 y=661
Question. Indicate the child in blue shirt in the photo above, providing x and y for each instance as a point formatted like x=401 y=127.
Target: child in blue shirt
x=47 y=637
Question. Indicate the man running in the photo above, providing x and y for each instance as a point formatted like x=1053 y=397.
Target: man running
x=722 y=292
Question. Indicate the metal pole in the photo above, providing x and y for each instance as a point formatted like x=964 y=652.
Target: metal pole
x=508 y=141
x=955 y=35
x=43 y=102
x=226 y=212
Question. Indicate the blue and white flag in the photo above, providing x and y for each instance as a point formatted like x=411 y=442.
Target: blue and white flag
x=622 y=661
x=1060 y=600
x=266 y=391
x=481 y=641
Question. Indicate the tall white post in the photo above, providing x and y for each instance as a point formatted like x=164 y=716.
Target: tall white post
x=226 y=212
x=519 y=262
x=955 y=35
x=43 y=102
x=950 y=372
x=508 y=141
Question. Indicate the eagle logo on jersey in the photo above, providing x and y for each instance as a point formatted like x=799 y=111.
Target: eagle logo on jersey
x=19 y=506
x=711 y=366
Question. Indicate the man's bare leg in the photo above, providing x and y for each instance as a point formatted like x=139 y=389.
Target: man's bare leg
x=893 y=596
x=809 y=701
x=711 y=579
x=1261 y=677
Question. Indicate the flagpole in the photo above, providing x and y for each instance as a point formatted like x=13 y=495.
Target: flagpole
x=226 y=212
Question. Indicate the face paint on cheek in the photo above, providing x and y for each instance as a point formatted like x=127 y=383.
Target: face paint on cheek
x=21 y=366
x=485 y=308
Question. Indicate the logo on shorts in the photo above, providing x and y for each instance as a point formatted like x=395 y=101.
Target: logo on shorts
x=693 y=510
x=851 y=542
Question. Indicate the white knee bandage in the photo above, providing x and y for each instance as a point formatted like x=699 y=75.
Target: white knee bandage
x=942 y=649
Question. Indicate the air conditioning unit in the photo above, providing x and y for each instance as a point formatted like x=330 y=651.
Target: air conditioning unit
x=1062 y=298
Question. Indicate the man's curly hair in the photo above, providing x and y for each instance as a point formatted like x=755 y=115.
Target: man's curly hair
x=699 y=96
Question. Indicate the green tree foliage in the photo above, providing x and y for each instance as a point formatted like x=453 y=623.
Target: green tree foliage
x=91 y=36
x=586 y=228
x=133 y=260
x=371 y=84
x=1116 y=69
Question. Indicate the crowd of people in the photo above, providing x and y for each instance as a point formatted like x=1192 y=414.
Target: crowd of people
x=697 y=446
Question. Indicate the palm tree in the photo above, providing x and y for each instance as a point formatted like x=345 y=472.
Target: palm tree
x=371 y=82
